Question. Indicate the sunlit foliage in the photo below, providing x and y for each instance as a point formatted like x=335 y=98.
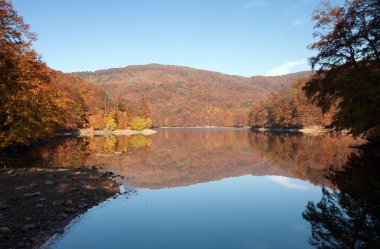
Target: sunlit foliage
x=37 y=102
x=288 y=108
x=140 y=124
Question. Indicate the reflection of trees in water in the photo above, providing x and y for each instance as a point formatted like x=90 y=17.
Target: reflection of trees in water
x=111 y=142
x=303 y=156
x=183 y=157
x=350 y=217
x=140 y=141
x=83 y=151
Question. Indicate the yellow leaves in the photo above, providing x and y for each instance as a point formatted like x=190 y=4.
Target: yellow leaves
x=140 y=124
x=111 y=124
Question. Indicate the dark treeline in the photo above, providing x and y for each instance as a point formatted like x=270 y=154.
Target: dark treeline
x=348 y=66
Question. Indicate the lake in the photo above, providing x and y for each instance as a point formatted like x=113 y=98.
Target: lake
x=222 y=188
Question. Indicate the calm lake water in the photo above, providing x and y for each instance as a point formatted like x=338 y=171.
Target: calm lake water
x=223 y=188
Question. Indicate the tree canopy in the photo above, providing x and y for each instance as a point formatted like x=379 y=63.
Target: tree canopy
x=37 y=102
x=348 y=65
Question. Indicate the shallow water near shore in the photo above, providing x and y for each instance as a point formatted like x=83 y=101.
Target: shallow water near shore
x=218 y=188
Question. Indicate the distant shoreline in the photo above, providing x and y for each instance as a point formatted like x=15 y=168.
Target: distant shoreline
x=90 y=132
x=205 y=127
x=308 y=130
x=315 y=130
x=87 y=132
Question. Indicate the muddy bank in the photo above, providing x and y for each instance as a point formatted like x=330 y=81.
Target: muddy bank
x=36 y=203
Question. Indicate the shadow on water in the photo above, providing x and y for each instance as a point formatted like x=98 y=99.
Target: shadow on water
x=348 y=217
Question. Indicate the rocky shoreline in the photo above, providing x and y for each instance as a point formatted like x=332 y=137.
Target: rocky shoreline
x=37 y=203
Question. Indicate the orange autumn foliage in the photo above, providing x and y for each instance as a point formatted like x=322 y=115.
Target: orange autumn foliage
x=288 y=108
x=37 y=102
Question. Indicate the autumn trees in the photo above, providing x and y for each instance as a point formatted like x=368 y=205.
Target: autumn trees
x=348 y=65
x=37 y=102
x=288 y=108
x=346 y=83
x=29 y=105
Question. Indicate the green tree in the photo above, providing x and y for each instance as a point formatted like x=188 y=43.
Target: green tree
x=348 y=66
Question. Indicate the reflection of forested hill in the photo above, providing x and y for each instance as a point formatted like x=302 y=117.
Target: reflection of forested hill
x=303 y=156
x=180 y=158
x=183 y=96
x=174 y=158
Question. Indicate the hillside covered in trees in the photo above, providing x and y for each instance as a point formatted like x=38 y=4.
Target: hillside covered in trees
x=288 y=108
x=38 y=102
x=183 y=97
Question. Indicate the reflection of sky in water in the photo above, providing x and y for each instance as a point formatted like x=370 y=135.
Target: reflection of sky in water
x=240 y=212
x=200 y=188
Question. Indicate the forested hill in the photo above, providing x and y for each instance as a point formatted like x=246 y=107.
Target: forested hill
x=183 y=96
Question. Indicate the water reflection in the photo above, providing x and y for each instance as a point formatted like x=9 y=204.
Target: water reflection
x=348 y=217
x=173 y=158
x=234 y=207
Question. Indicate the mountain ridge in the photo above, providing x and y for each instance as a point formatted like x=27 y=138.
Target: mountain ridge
x=184 y=96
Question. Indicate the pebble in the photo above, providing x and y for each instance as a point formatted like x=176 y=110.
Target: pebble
x=40 y=205
x=28 y=227
x=32 y=194
x=33 y=185
x=28 y=218
x=68 y=202
x=48 y=182
x=71 y=210
x=55 y=203
x=83 y=205
x=59 y=230
x=3 y=206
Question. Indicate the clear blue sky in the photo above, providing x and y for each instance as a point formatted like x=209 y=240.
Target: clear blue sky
x=242 y=37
